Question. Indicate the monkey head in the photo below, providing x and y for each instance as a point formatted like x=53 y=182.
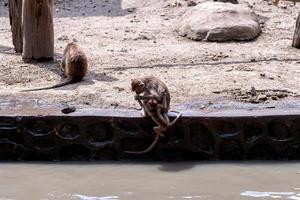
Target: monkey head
x=137 y=86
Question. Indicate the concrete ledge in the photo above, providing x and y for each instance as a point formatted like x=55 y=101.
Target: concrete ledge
x=97 y=134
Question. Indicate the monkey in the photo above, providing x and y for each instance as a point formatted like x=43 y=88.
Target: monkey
x=74 y=63
x=154 y=98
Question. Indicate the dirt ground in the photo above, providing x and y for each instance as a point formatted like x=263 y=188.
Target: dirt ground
x=133 y=38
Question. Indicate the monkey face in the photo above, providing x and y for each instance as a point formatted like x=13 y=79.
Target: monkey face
x=137 y=86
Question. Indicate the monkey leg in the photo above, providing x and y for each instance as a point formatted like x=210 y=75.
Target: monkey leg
x=160 y=121
x=144 y=113
x=167 y=118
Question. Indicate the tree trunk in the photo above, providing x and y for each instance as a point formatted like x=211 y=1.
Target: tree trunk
x=296 y=38
x=38 y=35
x=15 y=18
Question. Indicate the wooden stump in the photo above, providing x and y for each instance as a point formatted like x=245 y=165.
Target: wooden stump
x=296 y=38
x=15 y=18
x=38 y=35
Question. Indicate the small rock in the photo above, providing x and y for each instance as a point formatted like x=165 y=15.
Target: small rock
x=227 y=1
x=123 y=50
x=114 y=104
x=63 y=38
x=274 y=98
x=253 y=100
x=191 y=3
x=130 y=10
x=68 y=110
x=216 y=92
x=177 y=4
x=262 y=97
x=262 y=74
x=119 y=89
x=142 y=37
x=281 y=95
x=284 y=7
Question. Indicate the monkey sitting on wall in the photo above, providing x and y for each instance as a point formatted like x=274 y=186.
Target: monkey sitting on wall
x=154 y=98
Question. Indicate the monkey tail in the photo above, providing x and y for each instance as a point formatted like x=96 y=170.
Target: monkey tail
x=179 y=114
x=51 y=87
x=155 y=141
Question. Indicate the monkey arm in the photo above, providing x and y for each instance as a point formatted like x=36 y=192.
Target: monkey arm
x=164 y=103
x=146 y=111
x=144 y=97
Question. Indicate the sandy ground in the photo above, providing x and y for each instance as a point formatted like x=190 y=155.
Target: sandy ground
x=133 y=38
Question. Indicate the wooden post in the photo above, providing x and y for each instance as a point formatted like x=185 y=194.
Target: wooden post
x=15 y=18
x=296 y=38
x=38 y=35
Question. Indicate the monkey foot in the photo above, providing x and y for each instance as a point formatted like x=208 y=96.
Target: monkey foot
x=158 y=131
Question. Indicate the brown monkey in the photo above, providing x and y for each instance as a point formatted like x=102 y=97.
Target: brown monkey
x=154 y=98
x=74 y=63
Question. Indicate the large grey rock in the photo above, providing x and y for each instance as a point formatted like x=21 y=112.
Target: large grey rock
x=216 y=21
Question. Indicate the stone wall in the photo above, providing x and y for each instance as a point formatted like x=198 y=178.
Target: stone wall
x=105 y=135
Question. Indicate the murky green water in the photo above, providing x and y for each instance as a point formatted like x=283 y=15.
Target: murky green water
x=142 y=181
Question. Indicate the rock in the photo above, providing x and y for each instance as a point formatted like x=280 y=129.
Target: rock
x=130 y=10
x=216 y=21
x=63 y=38
x=68 y=110
x=262 y=97
x=191 y=3
x=227 y=1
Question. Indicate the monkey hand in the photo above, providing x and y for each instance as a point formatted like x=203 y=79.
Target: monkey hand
x=137 y=97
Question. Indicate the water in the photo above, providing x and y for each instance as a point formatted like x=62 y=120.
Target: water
x=143 y=181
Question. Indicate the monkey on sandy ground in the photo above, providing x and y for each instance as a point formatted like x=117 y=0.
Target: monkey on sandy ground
x=74 y=63
x=154 y=98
